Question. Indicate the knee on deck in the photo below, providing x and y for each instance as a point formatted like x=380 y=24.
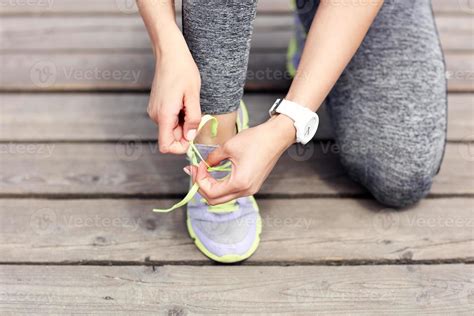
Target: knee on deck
x=391 y=185
x=400 y=191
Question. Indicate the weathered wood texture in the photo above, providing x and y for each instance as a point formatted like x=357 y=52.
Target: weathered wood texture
x=116 y=116
x=111 y=52
x=295 y=231
x=183 y=290
x=76 y=189
x=127 y=33
x=135 y=170
x=134 y=71
x=103 y=117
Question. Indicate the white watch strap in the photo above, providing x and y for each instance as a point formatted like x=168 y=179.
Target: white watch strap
x=293 y=110
x=301 y=117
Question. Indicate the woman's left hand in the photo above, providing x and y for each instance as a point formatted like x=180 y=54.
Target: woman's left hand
x=253 y=153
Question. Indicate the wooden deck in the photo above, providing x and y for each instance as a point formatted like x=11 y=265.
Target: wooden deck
x=79 y=175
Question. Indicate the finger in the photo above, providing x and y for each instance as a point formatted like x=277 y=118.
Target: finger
x=192 y=116
x=192 y=171
x=225 y=198
x=216 y=156
x=180 y=145
x=152 y=113
x=176 y=147
x=167 y=132
x=178 y=132
x=210 y=187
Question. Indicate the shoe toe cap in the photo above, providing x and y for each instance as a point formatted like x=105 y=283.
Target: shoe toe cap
x=234 y=238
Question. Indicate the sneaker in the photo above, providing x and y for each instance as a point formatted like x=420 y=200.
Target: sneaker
x=228 y=232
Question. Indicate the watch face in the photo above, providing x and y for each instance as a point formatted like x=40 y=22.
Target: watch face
x=309 y=129
x=305 y=134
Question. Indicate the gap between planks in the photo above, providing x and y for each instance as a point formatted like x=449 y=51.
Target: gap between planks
x=207 y=262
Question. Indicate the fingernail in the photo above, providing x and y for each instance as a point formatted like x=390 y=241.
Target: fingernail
x=187 y=171
x=191 y=134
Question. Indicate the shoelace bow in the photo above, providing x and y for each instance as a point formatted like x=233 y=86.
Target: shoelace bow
x=193 y=152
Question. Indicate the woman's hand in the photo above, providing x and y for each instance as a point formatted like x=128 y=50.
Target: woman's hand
x=253 y=154
x=174 y=99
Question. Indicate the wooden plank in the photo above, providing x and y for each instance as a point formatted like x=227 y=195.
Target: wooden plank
x=453 y=7
x=456 y=42
x=460 y=72
x=138 y=169
x=314 y=231
x=134 y=71
x=114 y=7
x=75 y=116
x=99 y=117
x=131 y=169
x=461 y=117
x=456 y=32
x=237 y=290
x=455 y=23
x=86 y=33
x=114 y=116
x=62 y=7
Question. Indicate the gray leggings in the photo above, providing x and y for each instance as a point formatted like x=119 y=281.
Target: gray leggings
x=388 y=109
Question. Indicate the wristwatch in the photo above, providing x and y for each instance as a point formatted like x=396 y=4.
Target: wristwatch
x=305 y=121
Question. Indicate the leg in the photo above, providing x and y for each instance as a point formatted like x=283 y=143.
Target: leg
x=218 y=33
x=388 y=108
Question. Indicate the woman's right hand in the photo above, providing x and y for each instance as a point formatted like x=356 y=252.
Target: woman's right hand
x=174 y=99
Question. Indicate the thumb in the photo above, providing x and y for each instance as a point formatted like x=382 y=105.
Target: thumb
x=192 y=116
x=216 y=156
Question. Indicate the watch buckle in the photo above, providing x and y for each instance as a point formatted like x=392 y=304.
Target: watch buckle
x=275 y=106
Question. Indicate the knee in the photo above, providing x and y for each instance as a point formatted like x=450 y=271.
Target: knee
x=400 y=189
x=393 y=184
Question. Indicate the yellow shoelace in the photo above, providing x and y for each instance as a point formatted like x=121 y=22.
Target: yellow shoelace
x=193 y=152
x=226 y=207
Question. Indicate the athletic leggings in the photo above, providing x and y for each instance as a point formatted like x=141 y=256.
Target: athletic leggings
x=388 y=108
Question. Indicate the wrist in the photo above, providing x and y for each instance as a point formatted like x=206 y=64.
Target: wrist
x=283 y=128
x=302 y=99
x=167 y=40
